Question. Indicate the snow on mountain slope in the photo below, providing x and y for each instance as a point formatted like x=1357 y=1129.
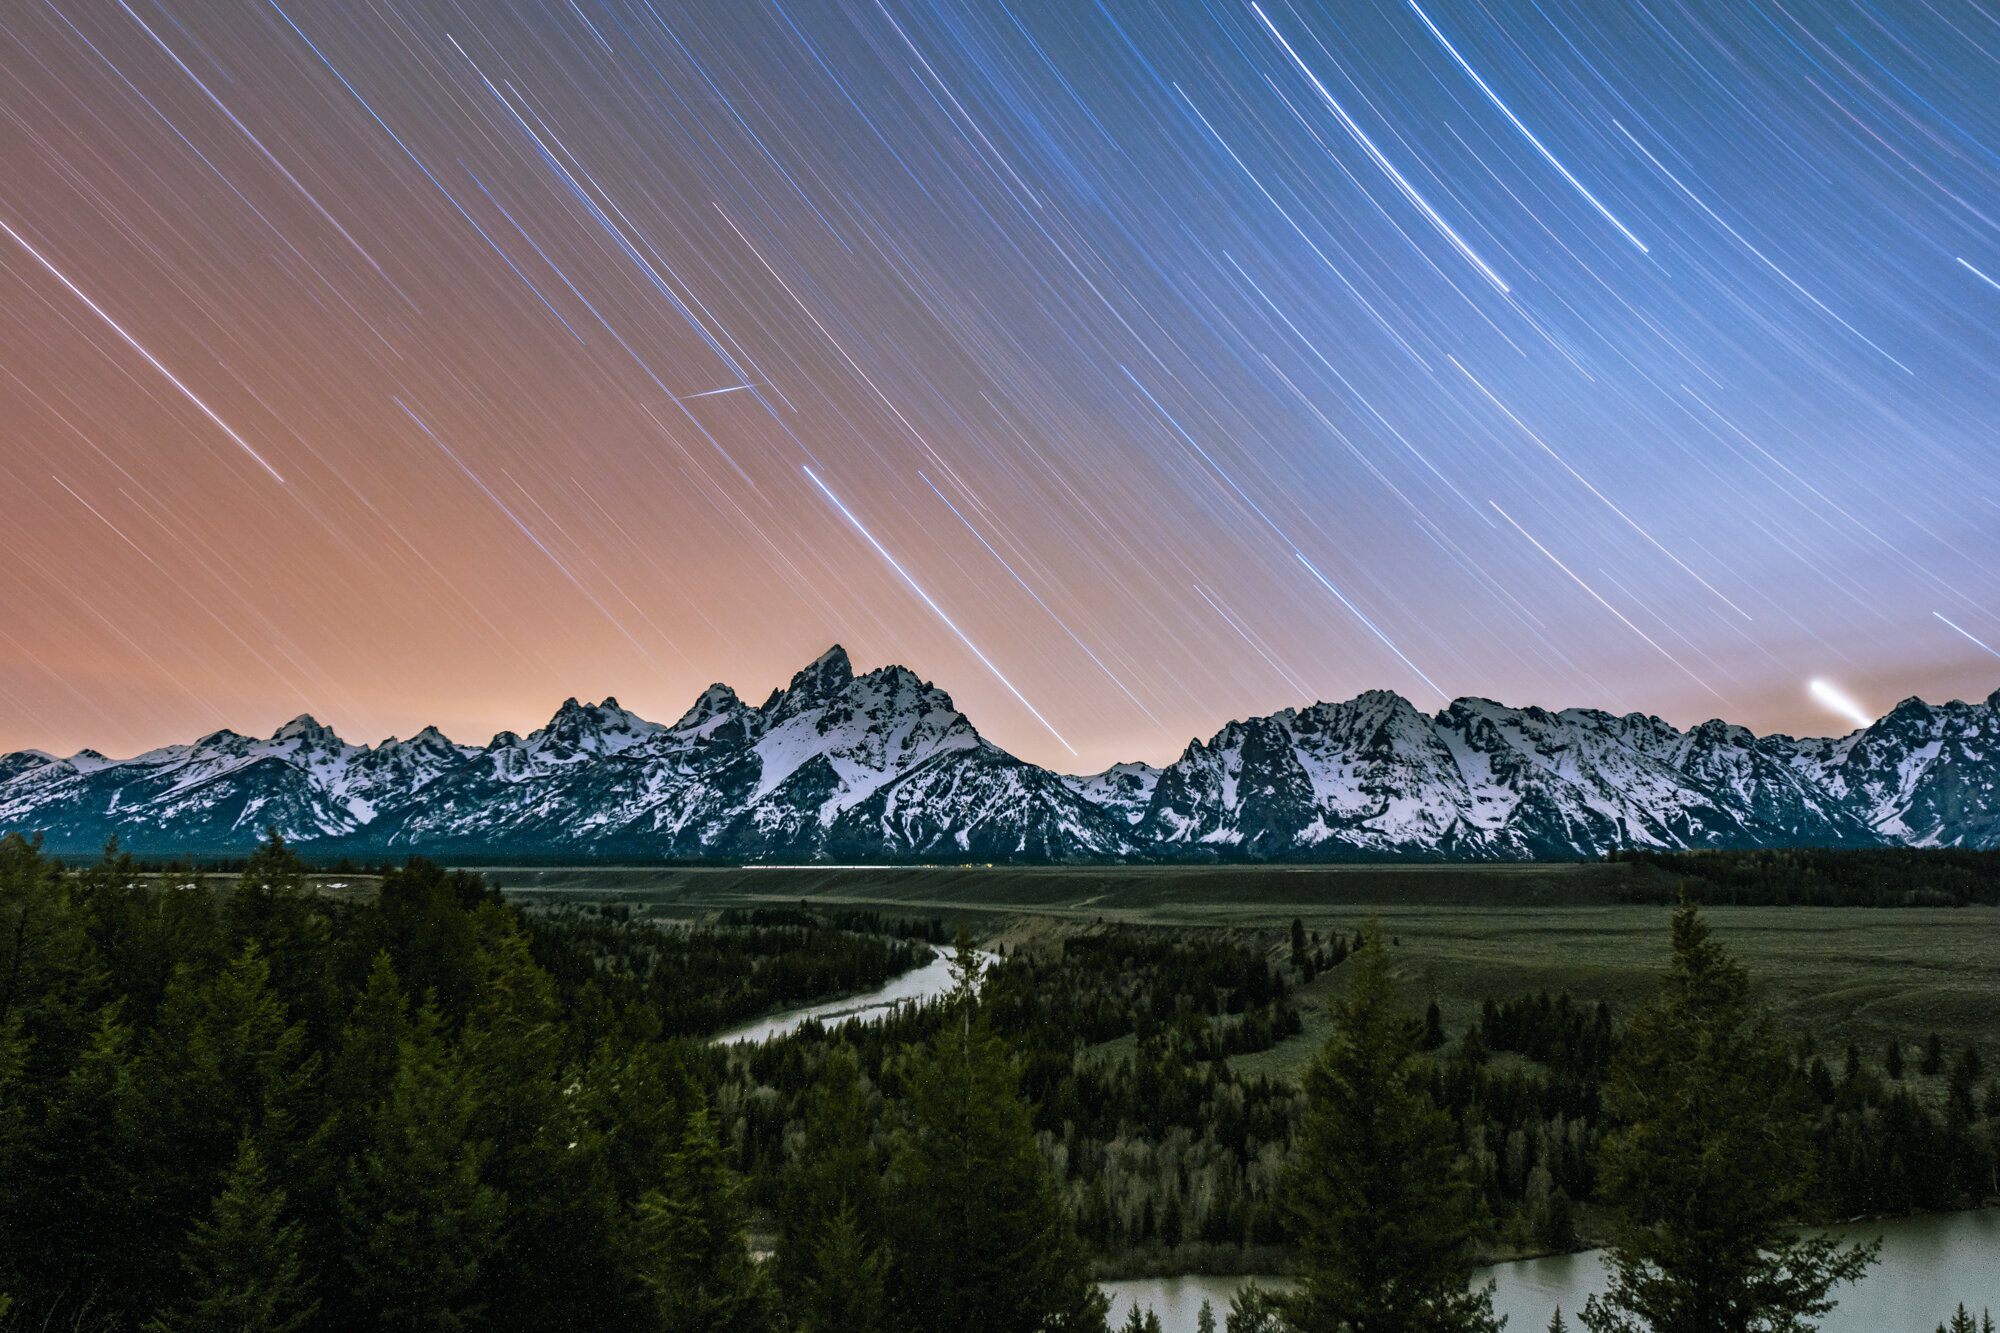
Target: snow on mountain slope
x=884 y=766
x=1124 y=789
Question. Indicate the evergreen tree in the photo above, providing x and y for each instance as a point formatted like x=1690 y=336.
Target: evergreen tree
x=1711 y=1164
x=418 y=1220
x=1383 y=1215
x=1893 y=1061
x=687 y=1238
x=1556 y=1324
x=1204 y=1318
x=1142 y=1321
x=831 y=1258
x=1254 y=1310
x=1962 y=1322
x=243 y=1261
x=982 y=1244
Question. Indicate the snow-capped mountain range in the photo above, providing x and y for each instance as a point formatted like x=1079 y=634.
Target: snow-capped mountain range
x=882 y=766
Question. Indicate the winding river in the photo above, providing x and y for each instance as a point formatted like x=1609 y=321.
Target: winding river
x=1928 y=1265
x=921 y=983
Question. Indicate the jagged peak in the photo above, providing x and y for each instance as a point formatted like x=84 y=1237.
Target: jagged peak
x=306 y=727
x=717 y=698
x=829 y=673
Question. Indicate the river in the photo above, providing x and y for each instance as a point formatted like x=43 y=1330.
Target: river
x=922 y=983
x=1928 y=1265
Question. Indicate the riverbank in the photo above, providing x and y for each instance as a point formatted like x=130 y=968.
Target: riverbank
x=1929 y=1265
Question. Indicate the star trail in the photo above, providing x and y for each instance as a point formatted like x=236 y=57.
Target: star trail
x=429 y=361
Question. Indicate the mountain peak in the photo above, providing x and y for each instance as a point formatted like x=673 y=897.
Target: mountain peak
x=717 y=701
x=602 y=728
x=827 y=673
x=306 y=727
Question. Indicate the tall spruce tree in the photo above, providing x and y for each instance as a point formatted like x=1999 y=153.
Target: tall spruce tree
x=832 y=1260
x=1382 y=1212
x=418 y=1219
x=243 y=1261
x=687 y=1239
x=981 y=1241
x=1711 y=1164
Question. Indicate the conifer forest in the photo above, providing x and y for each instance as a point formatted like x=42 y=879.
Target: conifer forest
x=228 y=1101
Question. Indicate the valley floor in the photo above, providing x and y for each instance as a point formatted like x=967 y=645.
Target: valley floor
x=1460 y=933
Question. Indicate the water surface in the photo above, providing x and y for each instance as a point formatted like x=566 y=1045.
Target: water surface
x=1928 y=1265
x=921 y=983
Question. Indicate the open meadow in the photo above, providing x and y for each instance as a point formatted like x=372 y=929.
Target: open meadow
x=1461 y=934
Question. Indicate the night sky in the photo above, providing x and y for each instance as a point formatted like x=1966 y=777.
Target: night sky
x=1123 y=367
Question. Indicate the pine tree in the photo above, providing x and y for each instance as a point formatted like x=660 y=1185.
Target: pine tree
x=1204 y=1318
x=831 y=1259
x=1962 y=1322
x=243 y=1261
x=1383 y=1215
x=1137 y=1320
x=1893 y=1061
x=981 y=1241
x=687 y=1237
x=1254 y=1310
x=419 y=1221
x=1710 y=1164
x=1556 y=1324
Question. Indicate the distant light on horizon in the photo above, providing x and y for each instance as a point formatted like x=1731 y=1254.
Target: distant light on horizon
x=1832 y=697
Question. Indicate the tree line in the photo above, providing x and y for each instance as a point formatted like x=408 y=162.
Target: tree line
x=240 y=1105
x=1820 y=876
x=246 y=1107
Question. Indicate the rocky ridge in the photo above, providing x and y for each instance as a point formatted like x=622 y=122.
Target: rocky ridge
x=882 y=766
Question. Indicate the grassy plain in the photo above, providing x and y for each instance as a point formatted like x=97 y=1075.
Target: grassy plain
x=1462 y=933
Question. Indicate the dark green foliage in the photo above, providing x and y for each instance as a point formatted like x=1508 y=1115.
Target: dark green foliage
x=687 y=1240
x=1383 y=1214
x=832 y=1259
x=1214 y=996
x=1933 y=1062
x=417 y=1219
x=243 y=1261
x=1133 y=1141
x=1962 y=1321
x=1254 y=1310
x=699 y=981
x=1711 y=1161
x=1824 y=877
x=1142 y=1321
x=981 y=1240
x=249 y=1107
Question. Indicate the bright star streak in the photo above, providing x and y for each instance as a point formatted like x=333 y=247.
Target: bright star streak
x=936 y=610
x=1962 y=630
x=1609 y=607
x=1526 y=133
x=1832 y=697
x=133 y=343
x=1981 y=276
x=1409 y=190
